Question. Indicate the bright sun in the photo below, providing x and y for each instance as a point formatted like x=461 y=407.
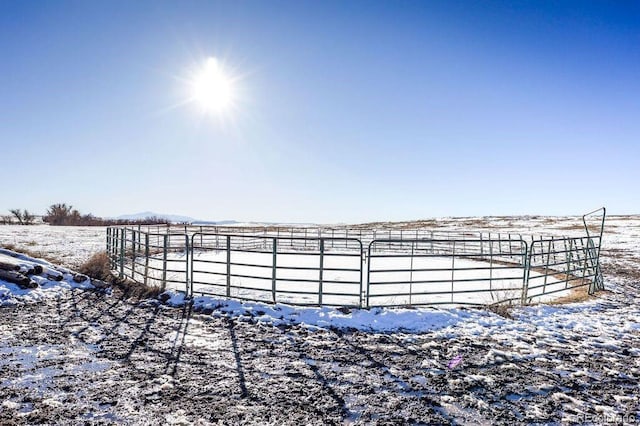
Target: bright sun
x=212 y=88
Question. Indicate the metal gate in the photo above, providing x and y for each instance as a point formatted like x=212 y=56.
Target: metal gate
x=445 y=272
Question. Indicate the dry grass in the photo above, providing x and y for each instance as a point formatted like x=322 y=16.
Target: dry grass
x=97 y=267
x=33 y=253
x=502 y=309
x=578 y=294
x=627 y=272
x=574 y=227
x=133 y=290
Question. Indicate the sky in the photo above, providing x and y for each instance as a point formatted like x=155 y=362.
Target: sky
x=345 y=111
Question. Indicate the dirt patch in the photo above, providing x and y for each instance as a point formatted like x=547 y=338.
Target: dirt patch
x=576 y=294
x=88 y=356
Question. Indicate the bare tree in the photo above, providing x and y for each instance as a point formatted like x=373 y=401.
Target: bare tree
x=63 y=214
x=17 y=214
x=27 y=217
x=58 y=214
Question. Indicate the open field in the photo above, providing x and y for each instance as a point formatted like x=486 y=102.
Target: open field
x=77 y=356
x=69 y=245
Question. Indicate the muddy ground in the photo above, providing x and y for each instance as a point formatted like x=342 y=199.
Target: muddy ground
x=94 y=358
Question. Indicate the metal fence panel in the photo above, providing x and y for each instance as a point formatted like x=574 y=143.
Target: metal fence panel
x=295 y=270
x=445 y=272
x=326 y=266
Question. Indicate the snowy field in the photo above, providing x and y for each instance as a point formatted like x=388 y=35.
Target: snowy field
x=71 y=245
x=76 y=355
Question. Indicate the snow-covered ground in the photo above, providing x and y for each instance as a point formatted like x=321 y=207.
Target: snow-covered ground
x=428 y=280
x=69 y=245
x=75 y=355
x=50 y=282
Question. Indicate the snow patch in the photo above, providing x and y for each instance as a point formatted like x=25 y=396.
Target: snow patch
x=374 y=319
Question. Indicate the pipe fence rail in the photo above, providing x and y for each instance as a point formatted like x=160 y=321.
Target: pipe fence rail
x=298 y=270
x=450 y=272
x=359 y=267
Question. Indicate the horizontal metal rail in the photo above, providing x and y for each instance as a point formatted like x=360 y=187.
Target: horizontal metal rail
x=448 y=271
x=329 y=266
x=277 y=268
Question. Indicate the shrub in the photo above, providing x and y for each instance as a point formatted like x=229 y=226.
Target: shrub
x=63 y=215
x=23 y=217
x=97 y=267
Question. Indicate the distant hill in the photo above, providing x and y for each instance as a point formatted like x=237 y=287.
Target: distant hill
x=173 y=218
x=213 y=222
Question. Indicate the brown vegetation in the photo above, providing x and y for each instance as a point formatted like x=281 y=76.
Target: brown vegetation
x=502 y=309
x=22 y=216
x=576 y=294
x=63 y=215
x=32 y=253
x=98 y=268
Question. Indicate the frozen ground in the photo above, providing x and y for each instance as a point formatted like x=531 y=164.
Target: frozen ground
x=79 y=355
x=484 y=282
x=70 y=245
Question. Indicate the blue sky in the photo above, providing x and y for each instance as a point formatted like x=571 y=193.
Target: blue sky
x=347 y=111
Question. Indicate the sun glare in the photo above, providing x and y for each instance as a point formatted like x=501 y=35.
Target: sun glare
x=212 y=88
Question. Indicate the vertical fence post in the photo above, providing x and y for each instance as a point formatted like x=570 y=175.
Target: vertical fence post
x=123 y=241
x=116 y=249
x=491 y=266
x=569 y=263
x=526 y=261
x=363 y=259
x=109 y=246
x=321 y=272
x=133 y=254
x=368 y=295
x=546 y=267
x=582 y=262
x=453 y=267
x=190 y=260
x=165 y=239
x=187 y=254
x=413 y=243
x=228 y=265
x=146 y=258
x=115 y=242
x=273 y=272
